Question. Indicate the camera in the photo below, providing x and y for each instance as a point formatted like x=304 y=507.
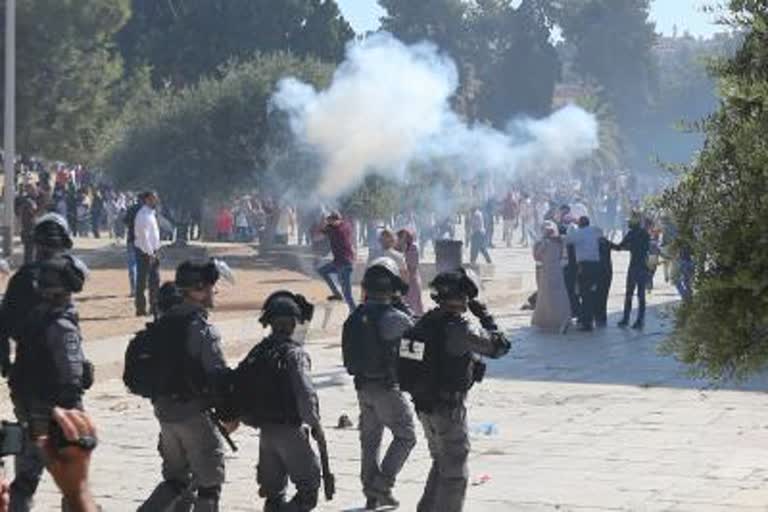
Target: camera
x=12 y=438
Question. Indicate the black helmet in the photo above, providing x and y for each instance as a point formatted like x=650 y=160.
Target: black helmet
x=168 y=296
x=191 y=275
x=51 y=230
x=455 y=284
x=383 y=276
x=62 y=274
x=285 y=303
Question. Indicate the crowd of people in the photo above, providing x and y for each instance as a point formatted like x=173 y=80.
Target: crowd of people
x=389 y=341
x=574 y=269
x=91 y=207
x=198 y=399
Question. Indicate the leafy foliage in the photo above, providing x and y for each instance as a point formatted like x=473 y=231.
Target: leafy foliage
x=205 y=141
x=68 y=74
x=613 y=42
x=376 y=198
x=607 y=158
x=184 y=40
x=720 y=208
x=514 y=60
x=507 y=62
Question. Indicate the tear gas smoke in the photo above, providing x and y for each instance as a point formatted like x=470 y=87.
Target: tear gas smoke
x=388 y=106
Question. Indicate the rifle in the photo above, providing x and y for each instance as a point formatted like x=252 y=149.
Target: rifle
x=222 y=430
x=329 y=480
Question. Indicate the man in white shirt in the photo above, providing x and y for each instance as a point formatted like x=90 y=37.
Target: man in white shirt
x=147 y=244
x=586 y=246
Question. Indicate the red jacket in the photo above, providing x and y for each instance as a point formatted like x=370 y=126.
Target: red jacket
x=341 y=243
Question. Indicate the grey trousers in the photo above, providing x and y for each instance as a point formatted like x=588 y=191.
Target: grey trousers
x=448 y=439
x=193 y=459
x=381 y=407
x=285 y=452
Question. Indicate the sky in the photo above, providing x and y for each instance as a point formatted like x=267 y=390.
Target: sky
x=686 y=14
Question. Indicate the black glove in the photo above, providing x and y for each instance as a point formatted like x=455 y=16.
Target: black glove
x=480 y=311
x=503 y=345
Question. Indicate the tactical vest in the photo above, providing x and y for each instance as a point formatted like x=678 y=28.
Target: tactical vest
x=427 y=371
x=180 y=376
x=34 y=372
x=366 y=355
x=262 y=389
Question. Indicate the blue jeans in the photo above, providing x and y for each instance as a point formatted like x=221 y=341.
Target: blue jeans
x=132 y=266
x=345 y=279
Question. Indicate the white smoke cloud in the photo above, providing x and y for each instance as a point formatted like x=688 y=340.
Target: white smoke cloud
x=388 y=106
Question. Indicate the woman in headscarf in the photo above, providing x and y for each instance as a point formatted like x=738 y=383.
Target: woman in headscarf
x=553 y=309
x=410 y=250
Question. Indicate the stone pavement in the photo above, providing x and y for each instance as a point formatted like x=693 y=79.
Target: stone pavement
x=580 y=422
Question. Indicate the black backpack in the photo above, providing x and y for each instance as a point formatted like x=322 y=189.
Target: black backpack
x=364 y=353
x=156 y=360
x=19 y=300
x=425 y=369
x=261 y=388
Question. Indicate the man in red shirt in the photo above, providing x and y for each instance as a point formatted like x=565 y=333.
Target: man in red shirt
x=510 y=211
x=339 y=233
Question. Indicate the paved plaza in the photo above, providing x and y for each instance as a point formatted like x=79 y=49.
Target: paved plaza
x=582 y=422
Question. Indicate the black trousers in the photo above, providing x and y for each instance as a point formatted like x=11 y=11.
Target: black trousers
x=570 y=273
x=603 y=290
x=589 y=277
x=637 y=278
x=29 y=249
x=147 y=277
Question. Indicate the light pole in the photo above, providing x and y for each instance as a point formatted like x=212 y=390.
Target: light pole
x=9 y=142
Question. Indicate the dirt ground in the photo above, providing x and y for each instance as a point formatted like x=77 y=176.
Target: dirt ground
x=106 y=310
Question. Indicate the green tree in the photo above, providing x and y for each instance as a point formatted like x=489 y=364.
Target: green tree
x=720 y=207
x=68 y=74
x=442 y=22
x=208 y=140
x=506 y=61
x=184 y=40
x=514 y=59
x=608 y=157
x=375 y=198
x=613 y=48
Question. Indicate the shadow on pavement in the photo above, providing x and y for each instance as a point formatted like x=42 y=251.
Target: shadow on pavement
x=606 y=356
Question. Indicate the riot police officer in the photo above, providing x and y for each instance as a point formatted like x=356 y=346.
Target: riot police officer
x=51 y=237
x=440 y=361
x=190 y=444
x=371 y=343
x=275 y=394
x=50 y=369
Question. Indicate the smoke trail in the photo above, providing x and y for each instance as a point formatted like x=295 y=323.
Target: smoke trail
x=388 y=106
